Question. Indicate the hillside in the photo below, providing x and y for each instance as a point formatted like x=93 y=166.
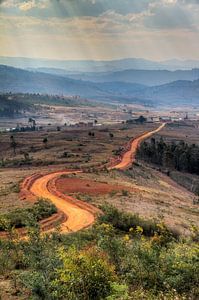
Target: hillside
x=177 y=92
x=144 y=77
x=100 y=65
x=18 y=80
x=22 y=81
x=11 y=106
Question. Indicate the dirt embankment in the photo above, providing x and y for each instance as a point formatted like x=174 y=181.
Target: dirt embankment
x=90 y=187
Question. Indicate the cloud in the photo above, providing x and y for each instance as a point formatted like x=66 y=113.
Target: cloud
x=23 y=5
x=80 y=28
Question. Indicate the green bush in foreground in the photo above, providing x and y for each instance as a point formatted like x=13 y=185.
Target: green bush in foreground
x=21 y=217
x=103 y=262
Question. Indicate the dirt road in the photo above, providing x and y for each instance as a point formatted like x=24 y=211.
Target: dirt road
x=77 y=218
x=129 y=157
x=79 y=214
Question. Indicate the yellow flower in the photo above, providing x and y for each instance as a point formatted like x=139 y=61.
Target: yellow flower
x=139 y=230
x=126 y=238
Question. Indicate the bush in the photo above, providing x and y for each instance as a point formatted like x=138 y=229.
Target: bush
x=21 y=217
x=125 y=221
x=85 y=274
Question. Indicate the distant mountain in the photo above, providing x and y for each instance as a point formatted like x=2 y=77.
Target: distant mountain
x=179 y=92
x=22 y=81
x=99 y=66
x=175 y=93
x=143 y=77
x=18 y=80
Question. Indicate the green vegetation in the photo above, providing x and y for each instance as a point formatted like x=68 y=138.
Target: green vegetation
x=103 y=262
x=179 y=156
x=19 y=218
x=12 y=104
x=14 y=188
x=126 y=221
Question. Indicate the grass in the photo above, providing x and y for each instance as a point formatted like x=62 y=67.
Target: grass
x=65 y=146
x=14 y=188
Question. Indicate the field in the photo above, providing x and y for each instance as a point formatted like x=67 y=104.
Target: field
x=82 y=151
x=187 y=131
x=141 y=190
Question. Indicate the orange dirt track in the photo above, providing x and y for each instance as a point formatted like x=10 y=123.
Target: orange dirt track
x=79 y=214
x=129 y=156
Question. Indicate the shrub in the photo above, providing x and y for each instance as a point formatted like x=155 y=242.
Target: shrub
x=85 y=274
x=19 y=218
x=124 y=221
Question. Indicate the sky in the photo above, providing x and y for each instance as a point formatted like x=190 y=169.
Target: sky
x=100 y=29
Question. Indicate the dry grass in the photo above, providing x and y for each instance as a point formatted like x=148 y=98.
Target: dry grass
x=144 y=191
x=83 y=150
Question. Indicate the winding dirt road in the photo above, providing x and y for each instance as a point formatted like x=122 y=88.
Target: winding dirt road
x=77 y=217
x=79 y=214
x=129 y=157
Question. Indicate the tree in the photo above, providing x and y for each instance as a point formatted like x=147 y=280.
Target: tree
x=45 y=142
x=13 y=144
x=26 y=156
x=141 y=119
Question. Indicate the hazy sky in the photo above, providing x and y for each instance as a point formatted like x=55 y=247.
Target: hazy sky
x=100 y=29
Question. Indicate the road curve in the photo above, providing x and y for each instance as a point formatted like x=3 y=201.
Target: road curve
x=129 y=157
x=77 y=218
x=80 y=216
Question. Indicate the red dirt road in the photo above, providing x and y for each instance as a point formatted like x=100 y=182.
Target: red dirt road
x=79 y=214
x=77 y=218
x=129 y=157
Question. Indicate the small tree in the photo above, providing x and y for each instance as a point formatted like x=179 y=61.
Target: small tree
x=13 y=144
x=26 y=156
x=141 y=119
x=45 y=142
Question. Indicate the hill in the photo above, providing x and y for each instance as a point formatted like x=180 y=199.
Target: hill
x=22 y=81
x=18 y=80
x=177 y=92
x=29 y=82
x=100 y=66
x=144 y=77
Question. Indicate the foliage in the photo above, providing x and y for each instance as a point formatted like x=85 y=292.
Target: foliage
x=126 y=221
x=103 y=262
x=179 y=156
x=21 y=217
x=85 y=274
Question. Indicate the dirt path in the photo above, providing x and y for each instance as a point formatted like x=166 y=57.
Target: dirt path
x=79 y=214
x=77 y=218
x=129 y=157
